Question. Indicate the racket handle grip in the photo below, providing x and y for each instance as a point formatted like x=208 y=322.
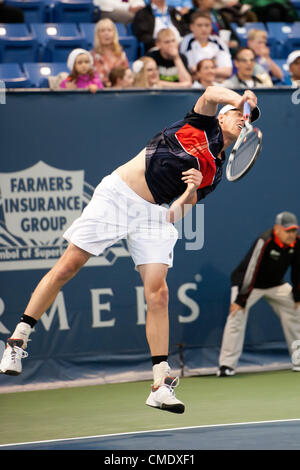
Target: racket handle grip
x=247 y=110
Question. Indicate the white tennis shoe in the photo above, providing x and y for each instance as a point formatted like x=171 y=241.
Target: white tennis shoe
x=11 y=360
x=164 y=398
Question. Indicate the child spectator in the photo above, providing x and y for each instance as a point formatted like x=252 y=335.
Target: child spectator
x=257 y=41
x=107 y=52
x=172 y=65
x=201 y=44
x=121 y=77
x=82 y=76
x=205 y=74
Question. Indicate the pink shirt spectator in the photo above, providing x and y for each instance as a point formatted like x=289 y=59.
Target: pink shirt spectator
x=83 y=81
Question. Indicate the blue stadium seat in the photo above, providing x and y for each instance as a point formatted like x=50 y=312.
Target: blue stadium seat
x=38 y=73
x=35 y=11
x=293 y=41
x=242 y=31
x=57 y=40
x=122 y=30
x=13 y=76
x=17 y=43
x=87 y=30
x=286 y=35
x=129 y=43
x=242 y=34
x=131 y=47
x=73 y=11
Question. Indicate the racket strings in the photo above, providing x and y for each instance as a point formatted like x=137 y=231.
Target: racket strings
x=245 y=153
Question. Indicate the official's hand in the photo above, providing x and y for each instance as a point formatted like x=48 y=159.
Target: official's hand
x=297 y=305
x=234 y=308
x=192 y=178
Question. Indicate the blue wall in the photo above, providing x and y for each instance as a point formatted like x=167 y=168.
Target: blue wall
x=96 y=327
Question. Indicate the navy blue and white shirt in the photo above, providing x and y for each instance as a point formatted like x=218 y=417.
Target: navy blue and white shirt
x=215 y=49
x=194 y=142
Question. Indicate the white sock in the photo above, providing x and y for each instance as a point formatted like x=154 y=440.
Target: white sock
x=160 y=371
x=22 y=331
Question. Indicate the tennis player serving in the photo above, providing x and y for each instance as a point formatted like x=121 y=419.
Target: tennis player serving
x=177 y=168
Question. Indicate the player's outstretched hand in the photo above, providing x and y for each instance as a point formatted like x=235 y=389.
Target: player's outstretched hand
x=192 y=178
x=248 y=97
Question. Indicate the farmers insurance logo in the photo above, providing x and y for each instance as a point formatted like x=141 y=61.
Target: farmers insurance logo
x=36 y=206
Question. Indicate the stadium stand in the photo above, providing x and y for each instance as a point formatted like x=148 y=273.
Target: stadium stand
x=13 y=76
x=35 y=11
x=57 y=40
x=17 y=43
x=38 y=73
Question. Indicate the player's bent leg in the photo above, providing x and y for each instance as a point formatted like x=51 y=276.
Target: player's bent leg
x=63 y=271
x=43 y=296
x=162 y=395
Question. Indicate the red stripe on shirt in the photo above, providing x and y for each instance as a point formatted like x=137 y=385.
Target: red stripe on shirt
x=195 y=143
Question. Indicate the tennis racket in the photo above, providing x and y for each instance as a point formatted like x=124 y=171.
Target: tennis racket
x=246 y=149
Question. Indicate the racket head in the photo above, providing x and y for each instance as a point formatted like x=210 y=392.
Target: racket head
x=244 y=153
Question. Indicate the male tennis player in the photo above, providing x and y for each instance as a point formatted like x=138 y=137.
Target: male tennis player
x=183 y=163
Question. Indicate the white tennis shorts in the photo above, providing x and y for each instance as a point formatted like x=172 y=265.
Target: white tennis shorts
x=116 y=212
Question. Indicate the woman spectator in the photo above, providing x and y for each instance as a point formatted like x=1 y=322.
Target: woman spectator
x=205 y=74
x=107 y=52
x=146 y=75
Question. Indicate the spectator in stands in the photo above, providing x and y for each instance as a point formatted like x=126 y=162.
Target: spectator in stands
x=234 y=11
x=83 y=75
x=121 y=77
x=171 y=64
x=205 y=74
x=107 y=52
x=245 y=76
x=119 y=11
x=201 y=44
x=273 y=10
x=183 y=6
x=9 y=14
x=154 y=17
x=293 y=61
x=146 y=75
x=257 y=41
x=220 y=24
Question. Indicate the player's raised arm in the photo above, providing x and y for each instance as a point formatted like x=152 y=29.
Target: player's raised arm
x=213 y=96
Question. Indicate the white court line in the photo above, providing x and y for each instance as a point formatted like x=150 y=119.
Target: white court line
x=153 y=431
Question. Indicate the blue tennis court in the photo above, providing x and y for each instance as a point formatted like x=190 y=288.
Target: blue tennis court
x=272 y=435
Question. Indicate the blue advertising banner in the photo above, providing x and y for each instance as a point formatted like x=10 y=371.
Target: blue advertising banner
x=56 y=148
